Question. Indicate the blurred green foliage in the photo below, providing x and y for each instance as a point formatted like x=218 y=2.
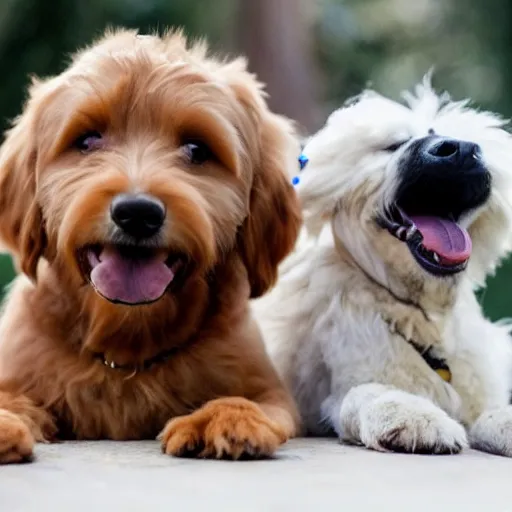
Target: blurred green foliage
x=388 y=44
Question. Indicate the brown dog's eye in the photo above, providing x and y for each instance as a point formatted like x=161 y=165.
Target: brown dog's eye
x=89 y=141
x=198 y=152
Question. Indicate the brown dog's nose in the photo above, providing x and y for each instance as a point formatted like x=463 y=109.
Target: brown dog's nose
x=138 y=215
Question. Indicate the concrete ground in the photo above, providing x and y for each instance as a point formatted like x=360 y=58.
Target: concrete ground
x=312 y=474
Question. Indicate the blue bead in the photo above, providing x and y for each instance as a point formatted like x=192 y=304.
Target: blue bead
x=303 y=160
x=295 y=180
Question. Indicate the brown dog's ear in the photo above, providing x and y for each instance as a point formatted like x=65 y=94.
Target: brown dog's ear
x=272 y=226
x=274 y=218
x=21 y=225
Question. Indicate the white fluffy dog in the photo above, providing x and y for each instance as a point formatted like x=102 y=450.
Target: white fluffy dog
x=374 y=323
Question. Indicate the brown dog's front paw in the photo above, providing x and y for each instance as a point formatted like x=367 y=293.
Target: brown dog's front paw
x=223 y=428
x=16 y=441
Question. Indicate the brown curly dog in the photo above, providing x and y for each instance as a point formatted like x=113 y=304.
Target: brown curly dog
x=144 y=197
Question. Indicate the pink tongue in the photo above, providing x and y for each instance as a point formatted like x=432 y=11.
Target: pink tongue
x=132 y=281
x=446 y=238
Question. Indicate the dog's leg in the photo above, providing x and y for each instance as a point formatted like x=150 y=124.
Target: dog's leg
x=22 y=423
x=387 y=419
x=252 y=424
x=492 y=432
x=229 y=428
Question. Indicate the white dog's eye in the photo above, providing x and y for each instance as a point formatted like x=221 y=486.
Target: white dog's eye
x=198 y=152
x=396 y=145
x=89 y=141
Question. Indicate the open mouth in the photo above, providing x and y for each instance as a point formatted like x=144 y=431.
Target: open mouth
x=132 y=275
x=440 y=245
x=441 y=180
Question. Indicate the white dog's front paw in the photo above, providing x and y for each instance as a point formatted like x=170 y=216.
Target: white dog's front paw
x=492 y=432
x=400 y=422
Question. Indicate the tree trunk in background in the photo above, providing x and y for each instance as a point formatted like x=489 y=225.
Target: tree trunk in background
x=275 y=35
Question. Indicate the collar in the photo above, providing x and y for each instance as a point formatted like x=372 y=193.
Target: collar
x=437 y=364
x=145 y=365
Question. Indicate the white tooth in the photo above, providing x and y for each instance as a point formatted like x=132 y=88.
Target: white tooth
x=410 y=231
x=436 y=257
x=399 y=232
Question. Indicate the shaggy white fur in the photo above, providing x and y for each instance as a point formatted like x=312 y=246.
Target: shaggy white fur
x=351 y=296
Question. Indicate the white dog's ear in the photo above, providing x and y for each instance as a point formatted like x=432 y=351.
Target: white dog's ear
x=491 y=231
x=321 y=181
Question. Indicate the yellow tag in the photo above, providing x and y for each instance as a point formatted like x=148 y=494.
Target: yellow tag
x=446 y=375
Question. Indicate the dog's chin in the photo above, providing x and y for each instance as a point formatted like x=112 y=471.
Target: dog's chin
x=133 y=275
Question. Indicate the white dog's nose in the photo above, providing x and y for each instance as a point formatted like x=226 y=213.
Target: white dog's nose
x=451 y=151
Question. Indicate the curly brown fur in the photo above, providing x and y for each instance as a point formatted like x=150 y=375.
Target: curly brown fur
x=235 y=216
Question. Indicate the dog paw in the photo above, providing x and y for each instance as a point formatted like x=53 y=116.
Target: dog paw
x=16 y=441
x=229 y=428
x=400 y=422
x=492 y=432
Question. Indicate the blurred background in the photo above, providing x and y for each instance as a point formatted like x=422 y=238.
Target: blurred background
x=313 y=54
